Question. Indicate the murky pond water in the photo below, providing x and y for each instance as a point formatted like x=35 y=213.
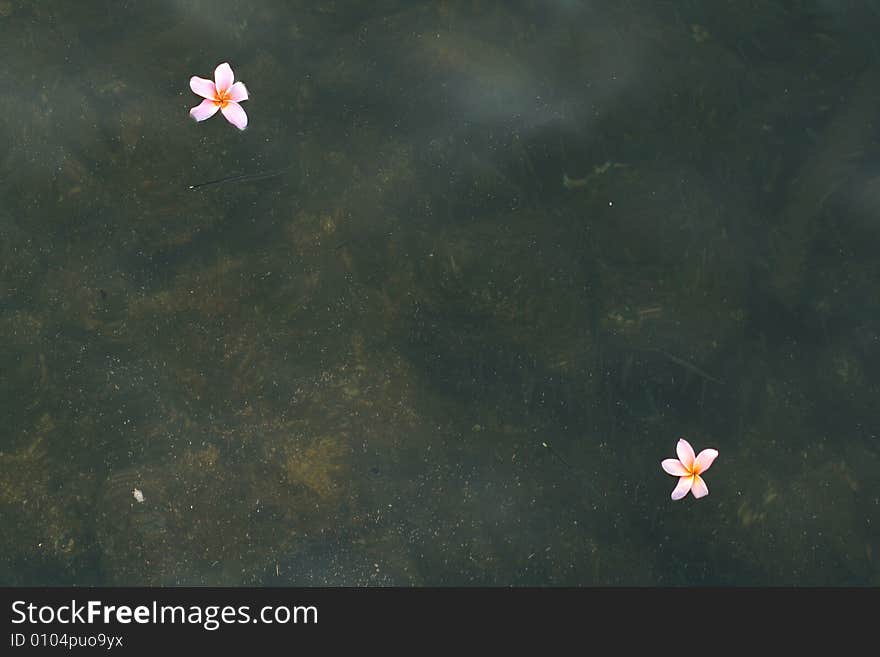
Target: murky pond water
x=515 y=252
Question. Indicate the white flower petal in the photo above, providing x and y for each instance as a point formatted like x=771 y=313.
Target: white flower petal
x=674 y=467
x=704 y=460
x=202 y=87
x=685 y=453
x=238 y=92
x=204 y=110
x=223 y=77
x=699 y=488
x=684 y=485
x=235 y=115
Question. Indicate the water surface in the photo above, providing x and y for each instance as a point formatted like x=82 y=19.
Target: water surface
x=520 y=249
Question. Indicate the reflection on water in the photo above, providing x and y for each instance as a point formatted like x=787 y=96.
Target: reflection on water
x=517 y=250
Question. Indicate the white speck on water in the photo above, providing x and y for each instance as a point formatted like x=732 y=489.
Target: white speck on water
x=138 y=495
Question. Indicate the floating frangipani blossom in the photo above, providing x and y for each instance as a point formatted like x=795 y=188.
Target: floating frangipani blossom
x=222 y=94
x=688 y=468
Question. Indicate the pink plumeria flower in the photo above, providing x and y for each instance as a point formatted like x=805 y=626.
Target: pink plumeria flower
x=688 y=468
x=221 y=94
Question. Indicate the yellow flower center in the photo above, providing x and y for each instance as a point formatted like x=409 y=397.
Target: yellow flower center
x=222 y=98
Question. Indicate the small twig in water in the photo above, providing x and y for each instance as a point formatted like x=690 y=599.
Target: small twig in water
x=558 y=455
x=262 y=175
x=688 y=366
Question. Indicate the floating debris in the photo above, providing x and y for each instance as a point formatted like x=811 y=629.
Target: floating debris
x=575 y=183
x=688 y=366
x=138 y=495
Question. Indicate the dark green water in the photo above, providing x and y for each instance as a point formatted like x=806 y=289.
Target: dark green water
x=520 y=249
